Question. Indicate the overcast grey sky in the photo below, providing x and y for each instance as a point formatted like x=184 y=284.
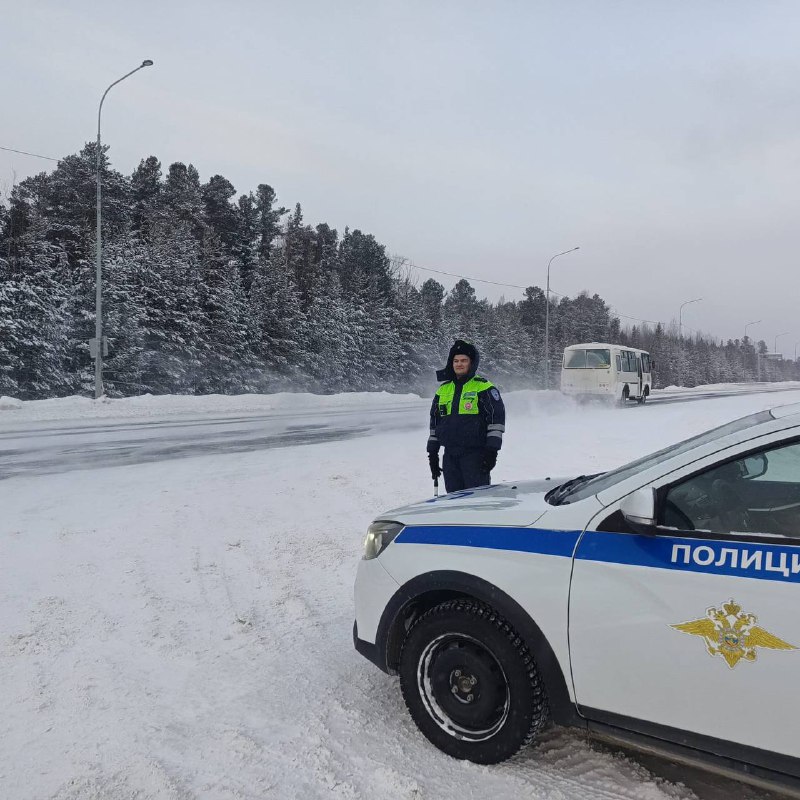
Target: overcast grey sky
x=473 y=137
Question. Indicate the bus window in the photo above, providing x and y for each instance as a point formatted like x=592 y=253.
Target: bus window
x=575 y=359
x=587 y=359
x=598 y=359
x=619 y=364
x=645 y=362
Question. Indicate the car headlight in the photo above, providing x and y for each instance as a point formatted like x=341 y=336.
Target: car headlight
x=379 y=534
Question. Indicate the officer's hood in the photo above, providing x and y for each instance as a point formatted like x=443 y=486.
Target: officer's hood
x=460 y=348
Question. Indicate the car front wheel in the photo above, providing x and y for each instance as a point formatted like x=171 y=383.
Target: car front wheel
x=470 y=683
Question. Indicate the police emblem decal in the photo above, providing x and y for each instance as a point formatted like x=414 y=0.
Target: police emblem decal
x=732 y=634
x=468 y=406
x=495 y=394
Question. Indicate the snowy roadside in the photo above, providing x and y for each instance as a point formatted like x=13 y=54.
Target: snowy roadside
x=163 y=406
x=151 y=406
x=777 y=386
x=182 y=629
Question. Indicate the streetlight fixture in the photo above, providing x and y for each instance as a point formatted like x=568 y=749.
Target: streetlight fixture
x=775 y=348
x=758 y=355
x=680 y=315
x=98 y=324
x=747 y=326
x=547 y=319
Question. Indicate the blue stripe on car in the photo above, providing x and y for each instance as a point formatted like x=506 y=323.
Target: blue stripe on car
x=764 y=561
x=524 y=540
x=742 y=559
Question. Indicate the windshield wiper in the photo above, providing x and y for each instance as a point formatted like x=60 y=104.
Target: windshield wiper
x=556 y=496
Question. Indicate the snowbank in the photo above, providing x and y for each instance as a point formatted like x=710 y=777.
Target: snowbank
x=9 y=403
x=722 y=387
x=149 y=405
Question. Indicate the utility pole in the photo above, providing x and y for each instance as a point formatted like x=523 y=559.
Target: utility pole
x=547 y=319
x=98 y=345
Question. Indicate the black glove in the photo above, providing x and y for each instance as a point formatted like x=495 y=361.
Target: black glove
x=489 y=459
x=433 y=460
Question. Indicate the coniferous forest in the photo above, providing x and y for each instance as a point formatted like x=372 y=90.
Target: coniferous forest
x=210 y=290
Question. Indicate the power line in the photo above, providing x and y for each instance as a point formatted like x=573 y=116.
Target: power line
x=517 y=286
x=24 y=153
x=639 y=319
x=467 y=278
x=476 y=280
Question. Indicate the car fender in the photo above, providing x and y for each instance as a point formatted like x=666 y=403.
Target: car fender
x=428 y=589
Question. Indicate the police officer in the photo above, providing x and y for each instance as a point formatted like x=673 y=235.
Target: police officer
x=467 y=419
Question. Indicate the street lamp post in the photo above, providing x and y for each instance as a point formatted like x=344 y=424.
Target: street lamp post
x=758 y=355
x=680 y=315
x=775 y=348
x=547 y=319
x=755 y=322
x=98 y=324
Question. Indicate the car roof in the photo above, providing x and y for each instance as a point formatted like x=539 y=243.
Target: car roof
x=781 y=412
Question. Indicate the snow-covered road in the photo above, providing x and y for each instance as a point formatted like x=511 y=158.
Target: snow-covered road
x=59 y=448
x=181 y=628
x=39 y=442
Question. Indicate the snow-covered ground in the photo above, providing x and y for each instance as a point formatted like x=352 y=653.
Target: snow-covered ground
x=182 y=628
x=149 y=406
x=159 y=406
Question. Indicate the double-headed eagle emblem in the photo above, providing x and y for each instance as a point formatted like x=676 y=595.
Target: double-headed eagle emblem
x=732 y=634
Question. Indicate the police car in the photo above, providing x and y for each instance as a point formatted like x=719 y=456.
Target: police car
x=656 y=605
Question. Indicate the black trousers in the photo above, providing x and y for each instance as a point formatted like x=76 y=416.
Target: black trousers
x=463 y=469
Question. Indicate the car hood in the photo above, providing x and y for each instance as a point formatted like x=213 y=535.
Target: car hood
x=520 y=503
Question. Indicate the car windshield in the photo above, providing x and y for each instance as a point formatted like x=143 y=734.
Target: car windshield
x=608 y=479
x=587 y=359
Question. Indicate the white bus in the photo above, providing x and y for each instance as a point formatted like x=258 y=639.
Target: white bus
x=607 y=370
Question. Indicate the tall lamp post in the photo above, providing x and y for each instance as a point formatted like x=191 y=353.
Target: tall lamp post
x=758 y=355
x=680 y=315
x=755 y=322
x=547 y=319
x=775 y=348
x=98 y=324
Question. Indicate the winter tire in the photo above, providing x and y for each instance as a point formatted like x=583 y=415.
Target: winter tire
x=470 y=683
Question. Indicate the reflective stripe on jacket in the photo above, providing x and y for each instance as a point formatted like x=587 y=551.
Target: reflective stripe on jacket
x=467 y=415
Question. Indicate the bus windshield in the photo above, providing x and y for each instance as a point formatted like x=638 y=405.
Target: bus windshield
x=587 y=359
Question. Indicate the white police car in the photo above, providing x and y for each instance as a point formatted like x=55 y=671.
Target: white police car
x=657 y=605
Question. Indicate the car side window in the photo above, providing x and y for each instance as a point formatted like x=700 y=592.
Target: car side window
x=758 y=493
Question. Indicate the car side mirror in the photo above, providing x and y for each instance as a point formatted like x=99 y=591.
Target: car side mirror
x=639 y=510
x=754 y=466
